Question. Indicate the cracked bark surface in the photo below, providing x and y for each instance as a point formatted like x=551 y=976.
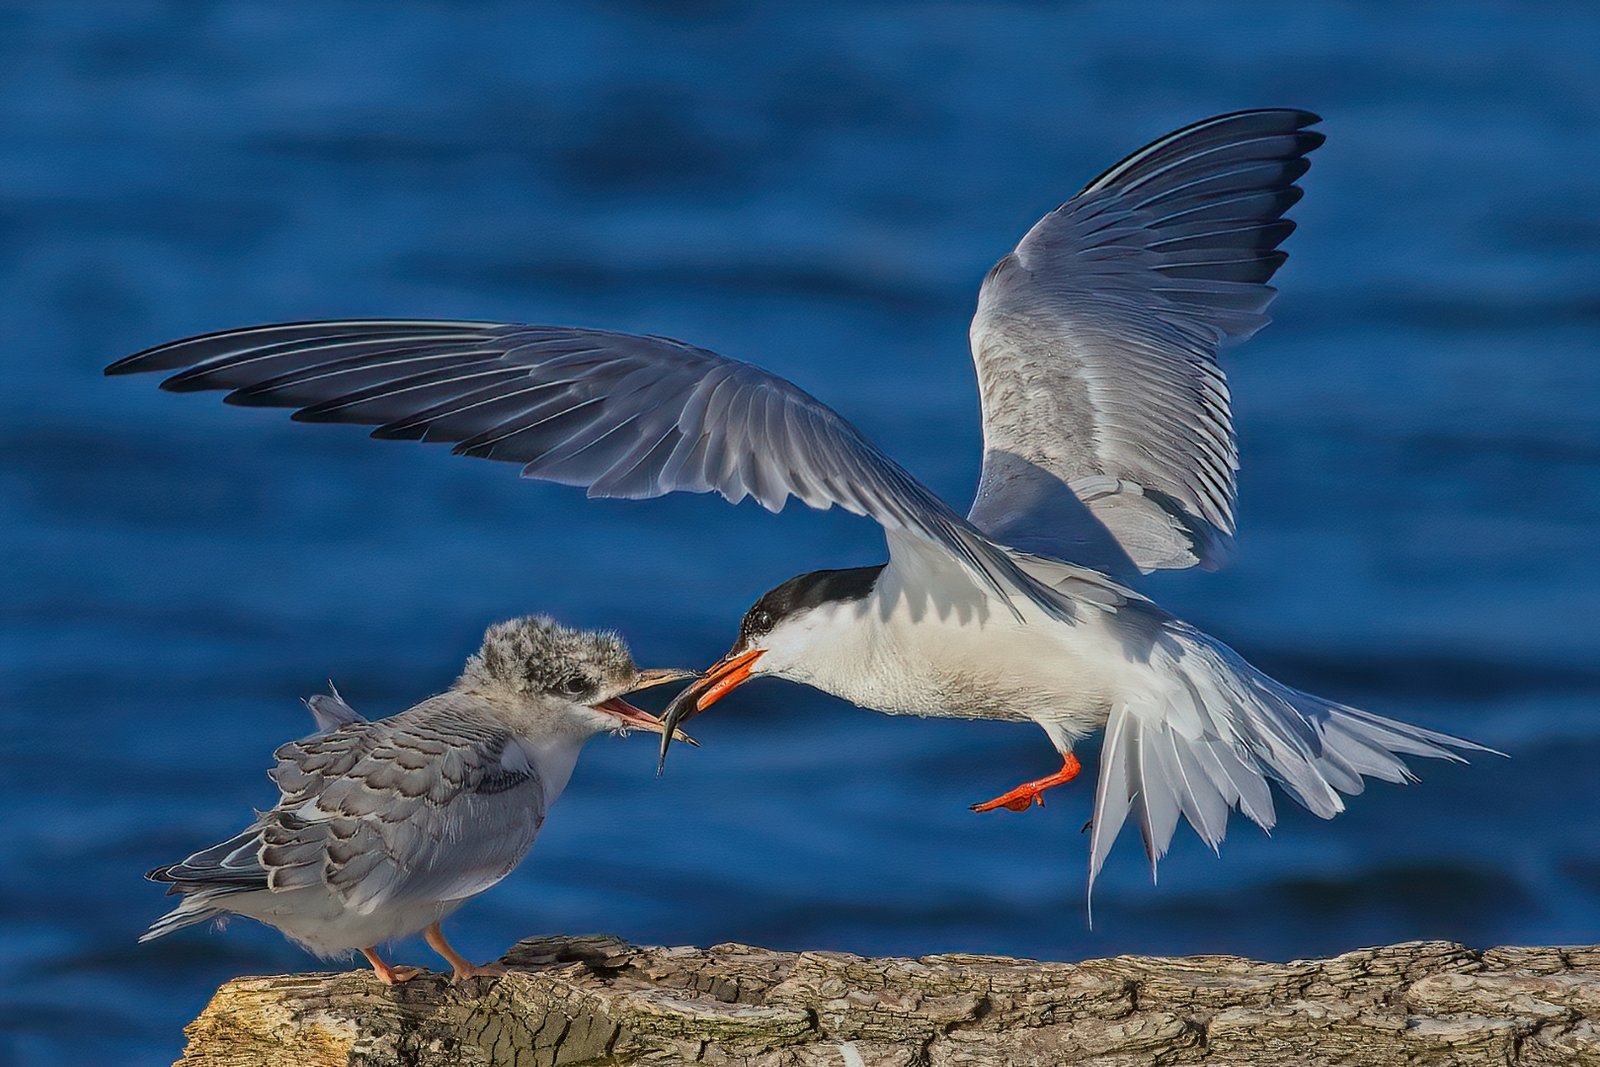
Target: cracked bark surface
x=601 y=1000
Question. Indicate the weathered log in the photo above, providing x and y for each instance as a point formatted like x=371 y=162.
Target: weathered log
x=601 y=1000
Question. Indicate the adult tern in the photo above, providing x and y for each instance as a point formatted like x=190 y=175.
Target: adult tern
x=383 y=828
x=1108 y=449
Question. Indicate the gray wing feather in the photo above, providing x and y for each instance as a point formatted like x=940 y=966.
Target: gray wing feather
x=439 y=802
x=229 y=863
x=622 y=415
x=330 y=710
x=1108 y=436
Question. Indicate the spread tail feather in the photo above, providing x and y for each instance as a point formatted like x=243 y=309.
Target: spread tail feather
x=222 y=870
x=195 y=908
x=1211 y=731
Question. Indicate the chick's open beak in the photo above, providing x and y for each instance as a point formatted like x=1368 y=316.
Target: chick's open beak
x=649 y=679
x=638 y=717
x=722 y=679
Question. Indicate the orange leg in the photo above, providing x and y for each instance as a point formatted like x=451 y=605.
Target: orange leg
x=1032 y=792
x=386 y=974
x=458 y=964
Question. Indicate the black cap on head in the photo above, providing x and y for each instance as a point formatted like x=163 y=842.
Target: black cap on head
x=803 y=593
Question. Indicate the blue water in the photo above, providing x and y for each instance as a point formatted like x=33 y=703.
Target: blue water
x=820 y=192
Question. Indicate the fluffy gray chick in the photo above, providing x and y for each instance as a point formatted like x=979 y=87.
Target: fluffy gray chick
x=385 y=827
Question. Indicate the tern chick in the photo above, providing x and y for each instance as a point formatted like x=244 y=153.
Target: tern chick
x=383 y=828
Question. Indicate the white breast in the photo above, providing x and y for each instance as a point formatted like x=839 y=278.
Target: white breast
x=879 y=653
x=551 y=759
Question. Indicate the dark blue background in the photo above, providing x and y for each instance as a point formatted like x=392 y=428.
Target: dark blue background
x=820 y=192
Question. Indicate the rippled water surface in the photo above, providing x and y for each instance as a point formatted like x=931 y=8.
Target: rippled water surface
x=819 y=192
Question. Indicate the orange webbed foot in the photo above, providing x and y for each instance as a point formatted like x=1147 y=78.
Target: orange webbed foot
x=1029 y=793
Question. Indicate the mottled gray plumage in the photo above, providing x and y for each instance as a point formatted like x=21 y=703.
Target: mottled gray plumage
x=384 y=827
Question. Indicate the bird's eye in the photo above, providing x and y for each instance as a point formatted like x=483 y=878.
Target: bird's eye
x=574 y=686
x=761 y=621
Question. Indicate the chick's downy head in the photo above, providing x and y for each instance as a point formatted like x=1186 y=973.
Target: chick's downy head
x=537 y=656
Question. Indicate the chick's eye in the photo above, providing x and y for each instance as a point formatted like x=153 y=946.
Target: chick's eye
x=574 y=686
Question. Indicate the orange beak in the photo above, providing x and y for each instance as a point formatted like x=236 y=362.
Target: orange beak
x=723 y=678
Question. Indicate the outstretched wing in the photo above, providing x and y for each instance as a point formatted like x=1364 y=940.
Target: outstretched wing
x=623 y=415
x=1108 y=438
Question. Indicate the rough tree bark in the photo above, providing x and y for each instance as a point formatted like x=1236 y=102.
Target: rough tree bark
x=601 y=1000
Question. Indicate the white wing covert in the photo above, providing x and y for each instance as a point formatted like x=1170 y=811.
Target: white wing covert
x=1108 y=438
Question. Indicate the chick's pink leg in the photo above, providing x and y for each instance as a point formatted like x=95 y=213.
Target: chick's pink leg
x=387 y=974
x=459 y=964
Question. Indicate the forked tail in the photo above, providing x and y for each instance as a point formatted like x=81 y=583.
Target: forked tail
x=1210 y=732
